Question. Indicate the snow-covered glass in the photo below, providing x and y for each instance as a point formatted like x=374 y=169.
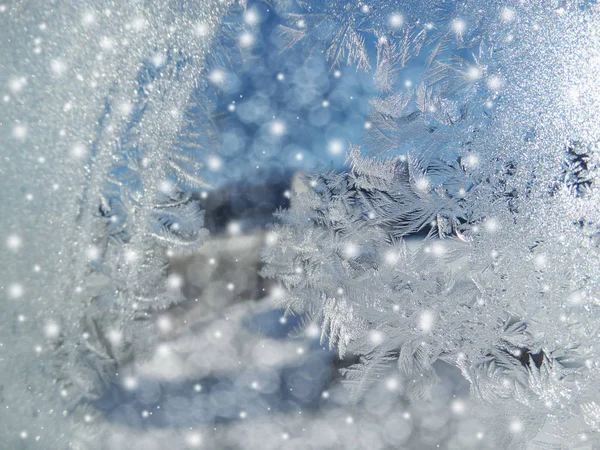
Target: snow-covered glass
x=430 y=277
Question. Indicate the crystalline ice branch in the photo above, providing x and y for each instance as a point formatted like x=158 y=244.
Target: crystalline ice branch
x=504 y=285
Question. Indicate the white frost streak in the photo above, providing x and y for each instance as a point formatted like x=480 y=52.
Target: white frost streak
x=73 y=85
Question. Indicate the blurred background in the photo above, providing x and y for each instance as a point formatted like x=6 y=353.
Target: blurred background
x=233 y=371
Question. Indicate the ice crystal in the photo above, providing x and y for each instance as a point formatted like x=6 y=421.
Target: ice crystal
x=98 y=139
x=475 y=243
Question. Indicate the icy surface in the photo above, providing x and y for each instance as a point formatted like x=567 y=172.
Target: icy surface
x=456 y=251
x=494 y=158
x=94 y=99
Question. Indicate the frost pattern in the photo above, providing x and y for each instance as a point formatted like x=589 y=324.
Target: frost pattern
x=97 y=171
x=475 y=242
